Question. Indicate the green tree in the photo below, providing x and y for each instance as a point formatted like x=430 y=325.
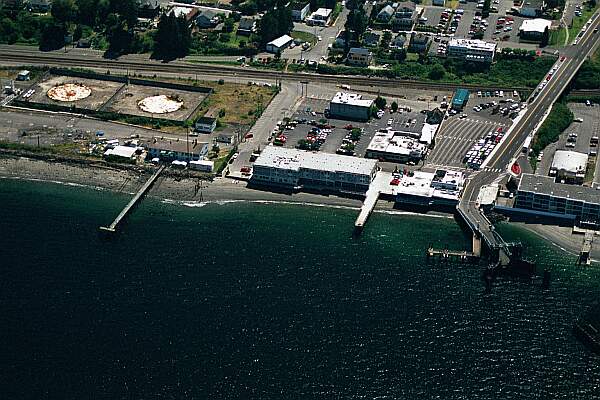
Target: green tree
x=172 y=38
x=64 y=11
x=437 y=72
x=53 y=37
x=394 y=106
x=228 y=25
x=380 y=102
x=88 y=10
x=275 y=23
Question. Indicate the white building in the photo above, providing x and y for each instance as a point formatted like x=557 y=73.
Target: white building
x=279 y=44
x=441 y=188
x=472 y=50
x=205 y=124
x=124 y=153
x=569 y=166
x=279 y=166
x=533 y=29
x=202 y=165
x=390 y=146
x=350 y=106
x=180 y=150
x=320 y=17
x=359 y=56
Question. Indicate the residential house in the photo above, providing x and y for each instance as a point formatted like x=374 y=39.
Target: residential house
x=405 y=16
x=359 y=56
x=371 y=39
x=40 y=5
x=247 y=26
x=299 y=10
x=205 y=124
x=398 y=42
x=207 y=19
x=418 y=43
x=226 y=138
x=148 y=9
x=385 y=14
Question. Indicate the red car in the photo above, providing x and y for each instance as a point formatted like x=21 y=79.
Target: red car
x=395 y=182
x=563 y=58
x=348 y=127
x=249 y=135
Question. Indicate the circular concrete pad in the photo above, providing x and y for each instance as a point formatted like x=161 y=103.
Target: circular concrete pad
x=160 y=104
x=69 y=92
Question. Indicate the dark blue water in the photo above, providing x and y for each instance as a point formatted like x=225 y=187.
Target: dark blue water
x=256 y=301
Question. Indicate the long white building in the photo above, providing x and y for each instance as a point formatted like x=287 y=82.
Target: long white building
x=472 y=50
x=294 y=168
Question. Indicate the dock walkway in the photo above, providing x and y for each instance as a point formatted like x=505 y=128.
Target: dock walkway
x=113 y=227
x=379 y=185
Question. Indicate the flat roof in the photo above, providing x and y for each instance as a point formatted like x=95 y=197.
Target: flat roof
x=535 y=25
x=323 y=12
x=392 y=143
x=570 y=161
x=294 y=159
x=280 y=41
x=480 y=45
x=546 y=185
x=353 y=99
x=121 y=151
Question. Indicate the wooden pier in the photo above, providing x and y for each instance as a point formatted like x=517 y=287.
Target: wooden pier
x=450 y=255
x=113 y=227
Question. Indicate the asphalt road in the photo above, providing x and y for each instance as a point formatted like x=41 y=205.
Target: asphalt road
x=535 y=114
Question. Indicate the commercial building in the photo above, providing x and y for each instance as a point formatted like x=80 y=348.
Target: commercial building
x=279 y=44
x=441 y=188
x=472 y=50
x=532 y=8
x=292 y=168
x=169 y=150
x=205 y=124
x=359 y=56
x=534 y=29
x=350 y=106
x=392 y=146
x=319 y=17
x=461 y=96
x=569 y=166
x=544 y=197
x=299 y=10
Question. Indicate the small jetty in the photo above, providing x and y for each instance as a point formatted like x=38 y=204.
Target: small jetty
x=113 y=227
x=450 y=255
x=586 y=249
x=366 y=209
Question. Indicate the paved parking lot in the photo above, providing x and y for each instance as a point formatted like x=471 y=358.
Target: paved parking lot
x=456 y=137
x=312 y=109
x=590 y=126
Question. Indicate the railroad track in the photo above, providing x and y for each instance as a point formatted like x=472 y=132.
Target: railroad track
x=29 y=58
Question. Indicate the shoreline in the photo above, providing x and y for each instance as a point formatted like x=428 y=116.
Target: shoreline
x=193 y=192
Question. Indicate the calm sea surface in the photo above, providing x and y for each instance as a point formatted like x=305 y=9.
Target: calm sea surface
x=257 y=301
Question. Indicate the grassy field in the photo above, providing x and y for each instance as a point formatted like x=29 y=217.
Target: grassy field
x=304 y=36
x=239 y=101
